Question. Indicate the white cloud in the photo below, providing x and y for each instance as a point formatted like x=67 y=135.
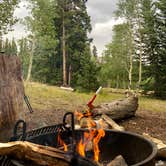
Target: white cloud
x=102 y=33
x=102 y=17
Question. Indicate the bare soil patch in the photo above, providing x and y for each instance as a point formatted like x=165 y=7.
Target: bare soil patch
x=153 y=123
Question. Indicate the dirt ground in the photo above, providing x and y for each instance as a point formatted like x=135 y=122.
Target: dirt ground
x=153 y=123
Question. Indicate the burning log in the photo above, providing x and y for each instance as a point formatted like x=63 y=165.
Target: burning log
x=41 y=155
x=118 y=161
x=11 y=95
x=111 y=122
x=160 y=145
x=119 y=109
x=87 y=122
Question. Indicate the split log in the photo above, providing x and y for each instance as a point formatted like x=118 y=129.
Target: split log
x=118 y=161
x=41 y=155
x=112 y=123
x=119 y=109
x=160 y=145
x=11 y=95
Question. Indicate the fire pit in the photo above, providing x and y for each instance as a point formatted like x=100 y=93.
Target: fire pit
x=136 y=150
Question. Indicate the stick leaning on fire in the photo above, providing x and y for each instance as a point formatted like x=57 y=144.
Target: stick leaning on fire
x=104 y=122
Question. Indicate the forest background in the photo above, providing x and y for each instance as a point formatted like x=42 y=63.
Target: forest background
x=58 y=49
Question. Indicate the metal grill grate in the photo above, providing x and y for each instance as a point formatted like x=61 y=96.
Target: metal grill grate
x=5 y=161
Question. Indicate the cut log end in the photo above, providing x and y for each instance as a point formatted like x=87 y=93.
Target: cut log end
x=118 y=161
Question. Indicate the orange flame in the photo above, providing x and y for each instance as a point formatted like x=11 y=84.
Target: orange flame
x=101 y=133
x=80 y=115
x=89 y=136
x=93 y=136
x=62 y=143
x=81 y=148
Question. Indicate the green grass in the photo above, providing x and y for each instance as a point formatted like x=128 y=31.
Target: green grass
x=46 y=97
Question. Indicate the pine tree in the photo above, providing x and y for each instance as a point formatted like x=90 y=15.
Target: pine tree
x=77 y=25
x=87 y=75
x=60 y=28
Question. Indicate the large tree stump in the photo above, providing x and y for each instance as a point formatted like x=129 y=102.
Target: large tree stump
x=119 y=109
x=11 y=95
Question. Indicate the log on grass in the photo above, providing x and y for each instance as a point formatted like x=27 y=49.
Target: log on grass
x=118 y=109
x=11 y=95
x=38 y=154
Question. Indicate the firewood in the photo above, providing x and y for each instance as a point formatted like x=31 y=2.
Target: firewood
x=111 y=122
x=101 y=124
x=87 y=122
x=118 y=161
x=41 y=155
x=160 y=145
x=118 y=109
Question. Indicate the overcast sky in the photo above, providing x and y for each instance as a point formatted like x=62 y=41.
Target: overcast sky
x=102 y=19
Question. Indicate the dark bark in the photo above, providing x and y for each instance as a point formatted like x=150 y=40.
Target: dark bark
x=11 y=95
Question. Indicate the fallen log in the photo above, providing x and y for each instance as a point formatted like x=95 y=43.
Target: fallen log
x=112 y=123
x=119 y=109
x=118 y=161
x=67 y=88
x=41 y=155
x=160 y=145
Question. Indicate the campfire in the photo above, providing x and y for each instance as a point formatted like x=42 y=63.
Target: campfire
x=83 y=147
x=93 y=144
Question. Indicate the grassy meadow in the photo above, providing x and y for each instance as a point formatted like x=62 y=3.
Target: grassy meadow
x=44 y=97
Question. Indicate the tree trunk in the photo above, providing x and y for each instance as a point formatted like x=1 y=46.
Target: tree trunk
x=130 y=69
x=64 y=52
x=119 y=109
x=117 y=81
x=69 y=81
x=38 y=154
x=30 y=61
x=11 y=95
x=140 y=68
x=130 y=56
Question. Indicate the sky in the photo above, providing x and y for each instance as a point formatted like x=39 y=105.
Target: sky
x=102 y=19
